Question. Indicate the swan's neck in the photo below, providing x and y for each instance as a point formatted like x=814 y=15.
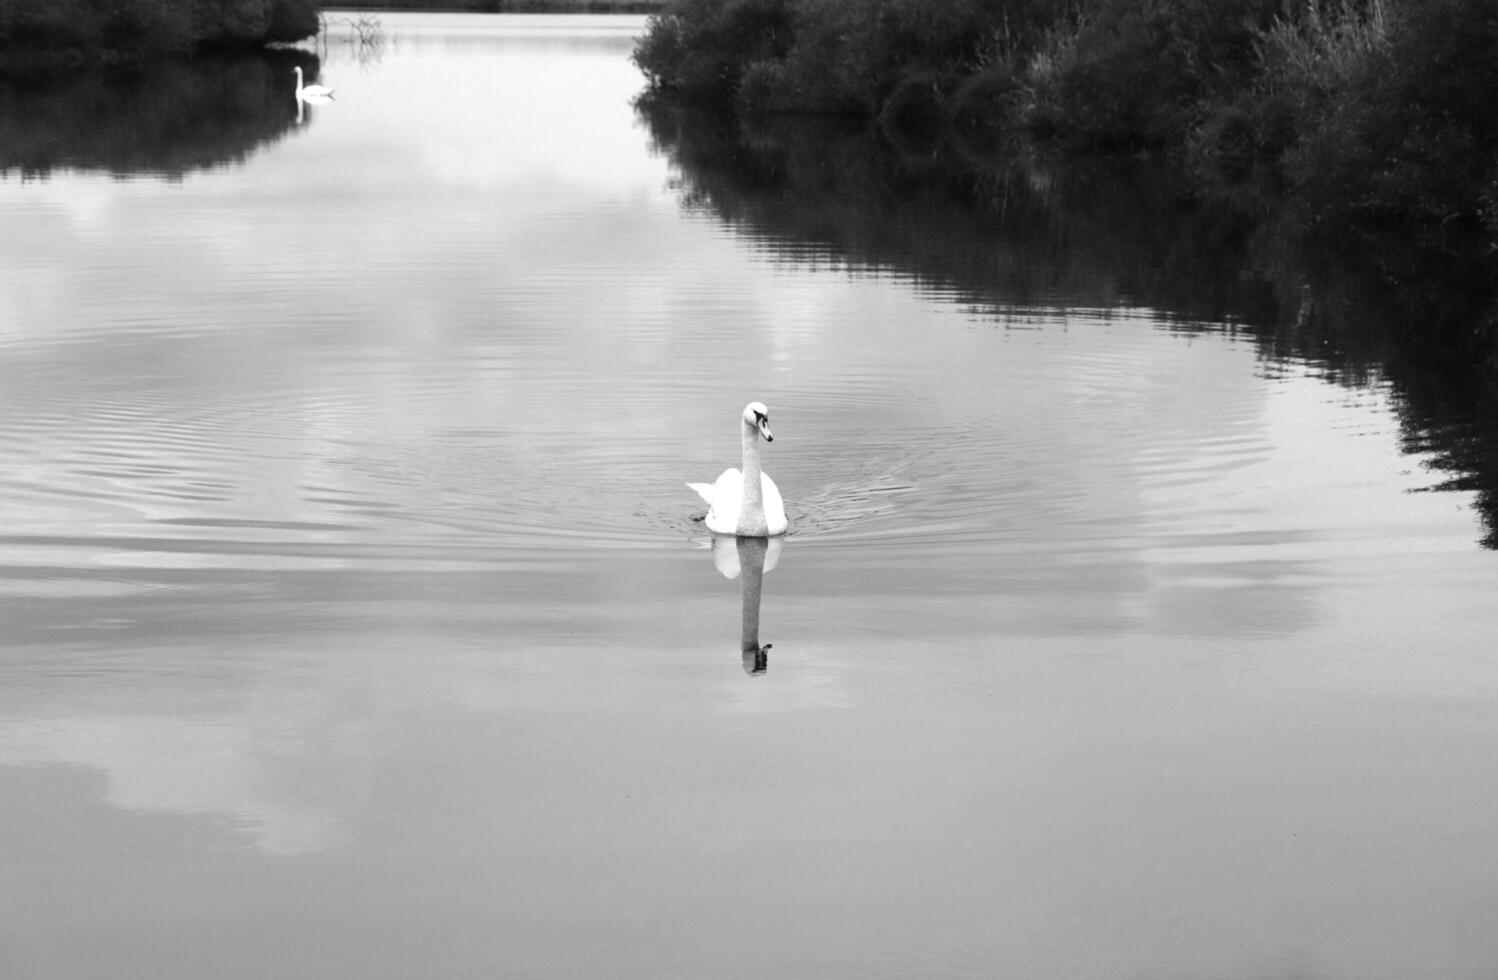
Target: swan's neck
x=754 y=500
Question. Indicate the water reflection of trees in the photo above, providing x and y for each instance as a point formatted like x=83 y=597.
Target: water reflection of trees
x=163 y=118
x=1014 y=227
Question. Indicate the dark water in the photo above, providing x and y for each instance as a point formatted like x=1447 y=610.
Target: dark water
x=1135 y=618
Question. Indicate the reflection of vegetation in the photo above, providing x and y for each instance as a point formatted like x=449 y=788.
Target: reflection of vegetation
x=365 y=37
x=1042 y=230
x=168 y=118
x=80 y=30
x=365 y=30
x=1373 y=112
x=1017 y=228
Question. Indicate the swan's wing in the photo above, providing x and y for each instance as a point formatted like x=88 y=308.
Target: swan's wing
x=723 y=498
x=723 y=505
x=726 y=487
x=775 y=519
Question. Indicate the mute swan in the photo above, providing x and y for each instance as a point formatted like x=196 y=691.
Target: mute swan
x=310 y=93
x=747 y=503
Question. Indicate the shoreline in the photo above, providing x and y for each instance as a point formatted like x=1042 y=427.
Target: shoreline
x=79 y=49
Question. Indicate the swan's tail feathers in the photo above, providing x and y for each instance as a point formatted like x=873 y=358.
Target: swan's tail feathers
x=704 y=490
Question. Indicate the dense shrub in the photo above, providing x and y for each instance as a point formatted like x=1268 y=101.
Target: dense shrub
x=833 y=64
x=1372 y=111
x=1409 y=137
x=821 y=55
x=1119 y=71
x=1140 y=71
x=700 y=49
x=28 y=24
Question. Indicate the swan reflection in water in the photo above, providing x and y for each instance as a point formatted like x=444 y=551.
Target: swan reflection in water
x=747 y=559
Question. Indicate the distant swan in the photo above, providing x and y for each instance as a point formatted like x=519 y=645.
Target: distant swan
x=310 y=93
x=746 y=503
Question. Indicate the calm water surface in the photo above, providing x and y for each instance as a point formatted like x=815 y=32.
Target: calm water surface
x=356 y=623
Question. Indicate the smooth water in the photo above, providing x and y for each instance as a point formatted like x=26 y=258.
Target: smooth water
x=356 y=622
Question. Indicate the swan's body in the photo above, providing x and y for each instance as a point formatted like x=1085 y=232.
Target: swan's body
x=746 y=502
x=728 y=512
x=311 y=93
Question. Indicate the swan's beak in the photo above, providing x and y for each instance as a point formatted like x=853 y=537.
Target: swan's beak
x=764 y=429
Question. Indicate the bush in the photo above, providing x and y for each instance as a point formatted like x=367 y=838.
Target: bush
x=833 y=64
x=1319 y=52
x=700 y=49
x=988 y=101
x=291 y=20
x=912 y=116
x=833 y=55
x=30 y=24
x=1409 y=138
x=1139 y=72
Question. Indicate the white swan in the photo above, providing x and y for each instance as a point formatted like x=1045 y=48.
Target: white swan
x=310 y=93
x=746 y=503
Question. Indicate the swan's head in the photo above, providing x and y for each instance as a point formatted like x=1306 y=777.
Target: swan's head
x=756 y=416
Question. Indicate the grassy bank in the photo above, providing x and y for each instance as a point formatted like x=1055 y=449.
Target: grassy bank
x=1374 y=115
x=40 y=31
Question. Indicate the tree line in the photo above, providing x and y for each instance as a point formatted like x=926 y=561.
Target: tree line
x=1375 y=113
x=89 y=30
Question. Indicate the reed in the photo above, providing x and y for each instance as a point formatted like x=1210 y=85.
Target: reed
x=1324 y=48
